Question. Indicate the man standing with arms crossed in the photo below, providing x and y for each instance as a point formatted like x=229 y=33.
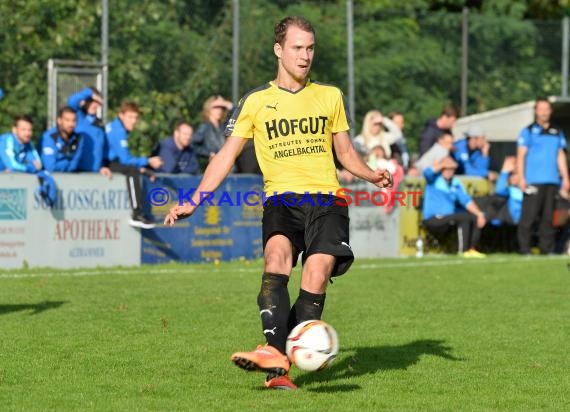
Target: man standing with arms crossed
x=296 y=124
x=543 y=172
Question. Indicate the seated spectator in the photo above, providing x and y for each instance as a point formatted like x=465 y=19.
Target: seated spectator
x=437 y=152
x=86 y=103
x=447 y=205
x=62 y=147
x=17 y=152
x=434 y=128
x=472 y=154
x=122 y=161
x=507 y=186
x=209 y=137
x=399 y=147
x=373 y=133
x=176 y=153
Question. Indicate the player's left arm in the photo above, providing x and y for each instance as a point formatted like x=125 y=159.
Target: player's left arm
x=351 y=161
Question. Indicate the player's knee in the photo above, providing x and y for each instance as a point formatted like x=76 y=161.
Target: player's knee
x=315 y=280
x=278 y=262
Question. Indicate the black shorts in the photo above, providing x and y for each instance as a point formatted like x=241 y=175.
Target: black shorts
x=313 y=223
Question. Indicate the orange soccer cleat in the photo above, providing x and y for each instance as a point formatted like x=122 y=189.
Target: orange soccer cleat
x=263 y=359
x=280 y=382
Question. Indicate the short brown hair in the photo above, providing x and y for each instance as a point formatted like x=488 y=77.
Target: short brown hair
x=129 y=106
x=63 y=110
x=23 y=118
x=450 y=111
x=282 y=27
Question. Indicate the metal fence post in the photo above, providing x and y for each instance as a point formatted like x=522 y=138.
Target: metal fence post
x=565 y=29
x=235 y=52
x=350 y=61
x=105 y=58
x=464 y=59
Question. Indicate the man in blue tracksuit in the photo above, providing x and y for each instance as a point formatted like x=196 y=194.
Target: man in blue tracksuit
x=447 y=205
x=86 y=102
x=176 y=153
x=543 y=173
x=62 y=147
x=122 y=161
x=17 y=152
x=472 y=154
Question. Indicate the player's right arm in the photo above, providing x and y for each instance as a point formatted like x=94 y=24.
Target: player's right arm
x=522 y=149
x=218 y=169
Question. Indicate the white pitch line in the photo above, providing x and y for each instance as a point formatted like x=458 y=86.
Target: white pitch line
x=208 y=269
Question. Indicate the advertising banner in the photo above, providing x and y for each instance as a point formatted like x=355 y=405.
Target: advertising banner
x=225 y=227
x=88 y=225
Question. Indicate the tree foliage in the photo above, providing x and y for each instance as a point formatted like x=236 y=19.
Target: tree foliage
x=170 y=55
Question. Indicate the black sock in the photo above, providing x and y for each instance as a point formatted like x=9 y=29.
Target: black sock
x=273 y=301
x=309 y=306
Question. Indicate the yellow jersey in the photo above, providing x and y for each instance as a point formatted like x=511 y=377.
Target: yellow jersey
x=292 y=133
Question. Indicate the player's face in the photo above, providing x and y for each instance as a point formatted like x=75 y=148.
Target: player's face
x=129 y=120
x=93 y=107
x=449 y=122
x=23 y=131
x=183 y=135
x=296 y=54
x=67 y=122
x=542 y=112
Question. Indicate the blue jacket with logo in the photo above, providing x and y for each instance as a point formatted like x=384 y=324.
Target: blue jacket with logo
x=16 y=156
x=59 y=155
x=93 y=130
x=542 y=145
x=443 y=198
x=118 y=146
x=470 y=162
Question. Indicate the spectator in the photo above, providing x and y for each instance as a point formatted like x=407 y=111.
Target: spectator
x=17 y=152
x=399 y=147
x=436 y=127
x=472 y=154
x=62 y=147
x=209 y=138
x=543 y=171
x=507 y=187
x=176 y=152
x=377 y=160
x=373 y=133
x=447 y=205
x=86 y=103
x=437 y=152
x=122 y=161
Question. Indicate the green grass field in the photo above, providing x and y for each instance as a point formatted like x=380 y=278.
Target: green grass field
x=431 y=334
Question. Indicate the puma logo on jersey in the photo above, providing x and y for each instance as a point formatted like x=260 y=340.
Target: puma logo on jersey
x=346 y=244
x=268 y=106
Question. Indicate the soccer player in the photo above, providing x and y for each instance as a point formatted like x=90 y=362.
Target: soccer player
x=17 y=152
x=86 y=103
x=122 y=161
x=543 y=172
x=62 y=146
x=296 y=124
